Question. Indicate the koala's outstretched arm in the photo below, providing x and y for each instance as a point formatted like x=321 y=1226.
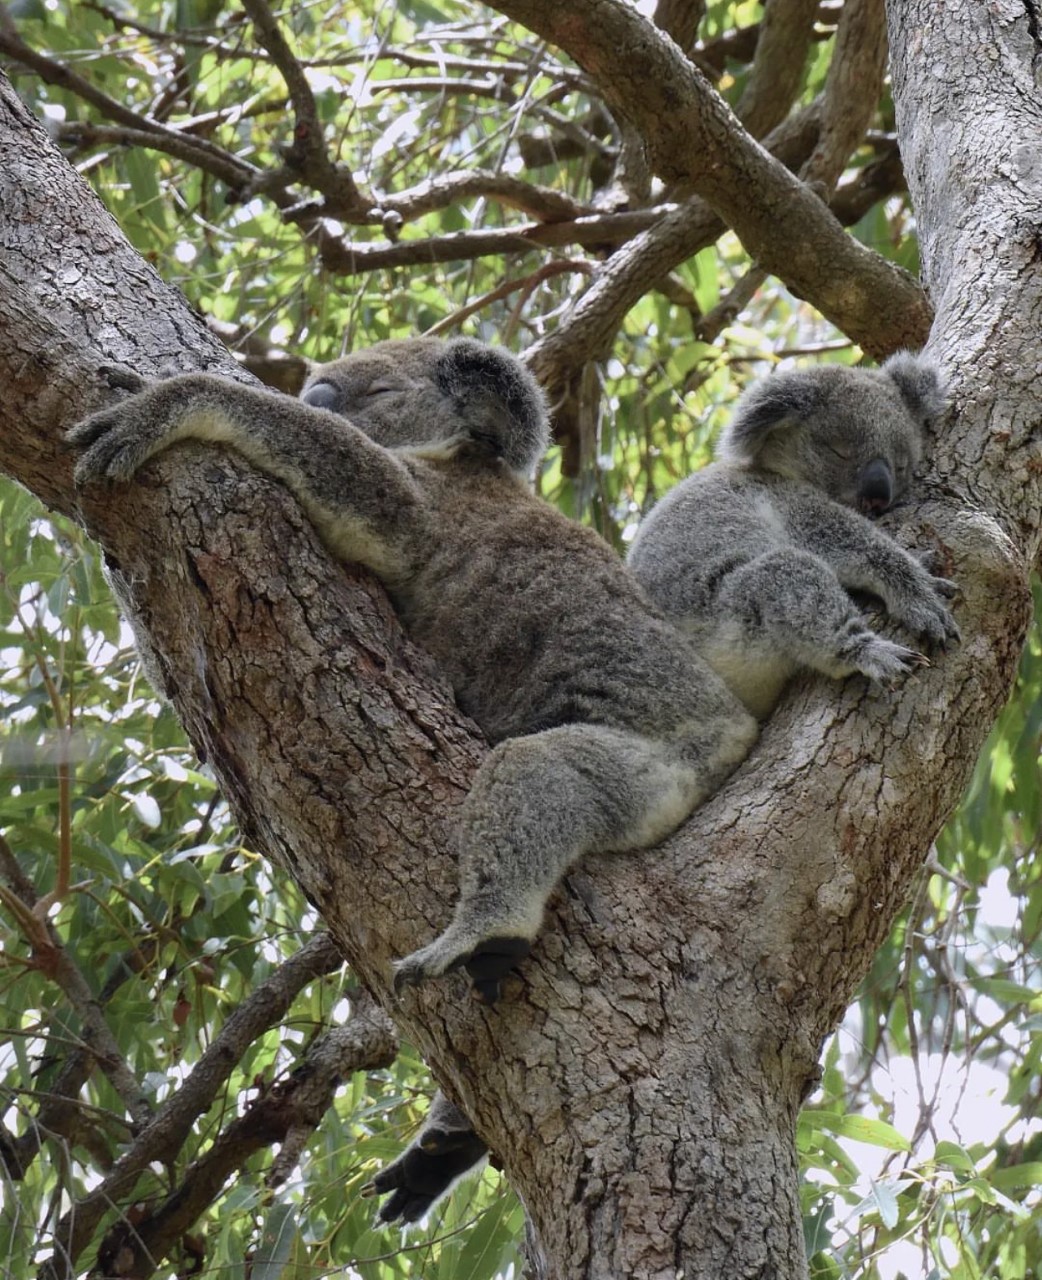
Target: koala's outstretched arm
x=445 y=1150
x=539 y=803
x=358 y=495
x=864 y=558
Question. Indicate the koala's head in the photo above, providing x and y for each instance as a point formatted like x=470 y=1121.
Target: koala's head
x=854 y=433
x=438 y=397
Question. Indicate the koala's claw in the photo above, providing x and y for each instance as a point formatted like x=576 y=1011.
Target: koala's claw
x=112 y=449
x=424 y=1172
x=933 y=620
x=120 y=378
x=883 y=661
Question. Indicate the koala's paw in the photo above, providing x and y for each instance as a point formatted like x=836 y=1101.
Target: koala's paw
x=487 y=963
x=490 y=962
x=111 y=444
x=929 y=616
x=424 y=1172
x=882 y=661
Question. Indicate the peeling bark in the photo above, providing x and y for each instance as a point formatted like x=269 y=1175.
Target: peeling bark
x=640 y=1084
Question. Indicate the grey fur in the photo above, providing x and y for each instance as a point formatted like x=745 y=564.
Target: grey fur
x=609 y=727
x=755 y=555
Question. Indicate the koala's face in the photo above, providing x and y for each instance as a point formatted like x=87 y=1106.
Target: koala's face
x=853 y=433
x=432 y=396
x=389 y=391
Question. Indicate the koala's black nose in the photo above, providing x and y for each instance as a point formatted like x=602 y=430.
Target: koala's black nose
x=323 y=395
x=875 y=488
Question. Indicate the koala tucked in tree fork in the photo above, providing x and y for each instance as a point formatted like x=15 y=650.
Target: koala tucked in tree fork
x=755 y=555
x=411 y=458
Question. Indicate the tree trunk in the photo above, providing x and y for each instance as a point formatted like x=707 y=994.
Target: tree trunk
x=640 y=1084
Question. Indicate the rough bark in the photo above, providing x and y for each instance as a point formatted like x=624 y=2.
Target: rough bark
x=640 y=1084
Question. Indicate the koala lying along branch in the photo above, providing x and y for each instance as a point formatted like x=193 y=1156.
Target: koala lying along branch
x=411 y=458
x=755 y=554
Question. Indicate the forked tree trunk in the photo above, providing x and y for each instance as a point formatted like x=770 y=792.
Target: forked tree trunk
x=640 y=1085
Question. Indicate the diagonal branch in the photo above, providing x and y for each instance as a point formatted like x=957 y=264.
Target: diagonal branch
x=786 y=34
x=852 y=89
x=163 y=1137
x=308 y=153
x=287 y=1113
x=694 y=140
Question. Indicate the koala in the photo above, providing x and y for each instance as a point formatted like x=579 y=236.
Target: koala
x=445 y=1150
x=411 y=458
x=755 y=555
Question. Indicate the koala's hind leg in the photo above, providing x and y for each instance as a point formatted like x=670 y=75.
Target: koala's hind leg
x=445 y=1150
x=538 y=803
x=791 y=603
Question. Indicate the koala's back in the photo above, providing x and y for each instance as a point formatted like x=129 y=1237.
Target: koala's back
x=538 y=623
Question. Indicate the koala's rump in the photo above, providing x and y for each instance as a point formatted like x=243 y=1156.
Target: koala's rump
x=538 y=623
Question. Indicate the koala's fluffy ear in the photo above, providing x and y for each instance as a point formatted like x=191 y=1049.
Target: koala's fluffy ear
x=498 y=401
x=768 y=407
x=919 y=381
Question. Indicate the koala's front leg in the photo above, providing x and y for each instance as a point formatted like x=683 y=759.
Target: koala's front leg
x=790 y=603
x=360 y=497
x=864 y=558
x=115 y=442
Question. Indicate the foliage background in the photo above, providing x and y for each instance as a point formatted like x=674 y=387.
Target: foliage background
x=923 y=1146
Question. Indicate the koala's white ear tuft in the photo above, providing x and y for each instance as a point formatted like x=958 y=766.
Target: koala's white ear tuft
x=498 y=401
x=781 y=401
x=919 y=381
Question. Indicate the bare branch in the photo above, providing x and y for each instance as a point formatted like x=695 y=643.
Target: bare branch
x=163 y=1137
x=592 y=230
x=874 y=182
x=543 y=203
x=852 y=88
x=778 y=64
x=709 y=328
x=526 y=285
x=694 y=139
x=589 y=330
x=193 y=150
x=53 y=72
x=287 y=1113
x=679 y=19
x=308 y=152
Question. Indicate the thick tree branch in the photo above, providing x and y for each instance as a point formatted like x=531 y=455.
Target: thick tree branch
x=696 y=143
x=852 y=89
x=784 y=40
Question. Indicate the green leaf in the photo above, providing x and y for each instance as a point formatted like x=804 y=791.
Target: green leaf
x=877 y=1132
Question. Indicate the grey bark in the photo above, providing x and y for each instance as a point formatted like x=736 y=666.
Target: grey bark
x=641 y=1090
